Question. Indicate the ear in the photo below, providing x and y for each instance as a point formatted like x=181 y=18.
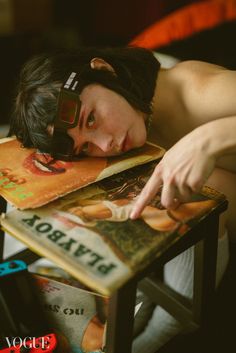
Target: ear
x=100 y=64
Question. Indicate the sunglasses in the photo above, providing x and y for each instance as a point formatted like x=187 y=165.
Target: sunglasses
x=67 y=117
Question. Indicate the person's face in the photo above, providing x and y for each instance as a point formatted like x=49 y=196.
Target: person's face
x=108 y=125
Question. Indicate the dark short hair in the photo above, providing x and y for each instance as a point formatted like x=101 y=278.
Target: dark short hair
x=42 y=76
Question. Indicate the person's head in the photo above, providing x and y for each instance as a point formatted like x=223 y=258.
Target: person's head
x=116 y=87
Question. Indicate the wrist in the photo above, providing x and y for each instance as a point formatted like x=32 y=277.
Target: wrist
x=206 y=141
x=218 y=137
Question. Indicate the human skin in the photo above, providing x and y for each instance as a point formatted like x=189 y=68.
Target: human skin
x=194 y=118
x=109 y=124
x=158 y=219
x=93 y=336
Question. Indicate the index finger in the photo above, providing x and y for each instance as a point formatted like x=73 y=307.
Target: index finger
x=147 y=194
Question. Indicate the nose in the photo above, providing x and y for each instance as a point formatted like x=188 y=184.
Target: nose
x=103 y=142
x=98 y=141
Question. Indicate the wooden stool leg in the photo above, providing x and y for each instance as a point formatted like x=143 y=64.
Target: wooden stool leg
x=1 y=244
x=2 y=235
x=120 y=319
x=205 y=273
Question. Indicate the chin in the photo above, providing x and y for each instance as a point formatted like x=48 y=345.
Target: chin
x=141 y=142
x=142 y=137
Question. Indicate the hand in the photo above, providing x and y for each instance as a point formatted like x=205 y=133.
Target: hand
x=183 y=170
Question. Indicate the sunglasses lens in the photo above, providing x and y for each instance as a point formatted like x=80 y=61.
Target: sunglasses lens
x=68 y=111
x=62 y=146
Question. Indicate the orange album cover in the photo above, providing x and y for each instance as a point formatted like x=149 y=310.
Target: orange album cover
x=30 y=179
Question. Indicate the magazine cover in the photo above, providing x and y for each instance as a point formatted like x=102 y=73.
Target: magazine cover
x=29 y=178
x=78 y=316
x=88 y=233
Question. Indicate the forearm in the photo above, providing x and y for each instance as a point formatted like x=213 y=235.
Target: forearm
x=219 y=136
x=187 y=165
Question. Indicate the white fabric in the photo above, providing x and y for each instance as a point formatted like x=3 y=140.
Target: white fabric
x=166 y=61
x=119 y=213
x=178 y=274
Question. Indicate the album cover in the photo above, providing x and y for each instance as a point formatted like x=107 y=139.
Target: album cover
x=30 y=179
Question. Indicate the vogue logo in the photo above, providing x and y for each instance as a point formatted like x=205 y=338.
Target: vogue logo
x=28 y=342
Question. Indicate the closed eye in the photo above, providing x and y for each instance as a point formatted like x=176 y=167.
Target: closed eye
x=89 y=149
x=85 y=148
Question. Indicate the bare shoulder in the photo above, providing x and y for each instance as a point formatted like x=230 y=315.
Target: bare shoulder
x=201 y=73
x=206 y=88
x=195 y=65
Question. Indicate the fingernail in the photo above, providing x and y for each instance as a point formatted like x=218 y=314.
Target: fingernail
x=132 y=215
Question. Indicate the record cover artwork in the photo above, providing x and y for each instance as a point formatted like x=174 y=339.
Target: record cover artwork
x=30 y=179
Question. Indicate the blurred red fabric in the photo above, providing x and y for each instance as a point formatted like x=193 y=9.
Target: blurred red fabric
x=186 y=21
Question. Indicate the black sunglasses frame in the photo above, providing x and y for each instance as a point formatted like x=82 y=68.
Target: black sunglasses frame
x=67 y=117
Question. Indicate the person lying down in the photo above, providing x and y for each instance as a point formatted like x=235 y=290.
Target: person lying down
x=125 y=97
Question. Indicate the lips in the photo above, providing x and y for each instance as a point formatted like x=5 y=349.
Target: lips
x=44 y=164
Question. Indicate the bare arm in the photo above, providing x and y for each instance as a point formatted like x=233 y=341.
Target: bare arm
x=187 y=165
